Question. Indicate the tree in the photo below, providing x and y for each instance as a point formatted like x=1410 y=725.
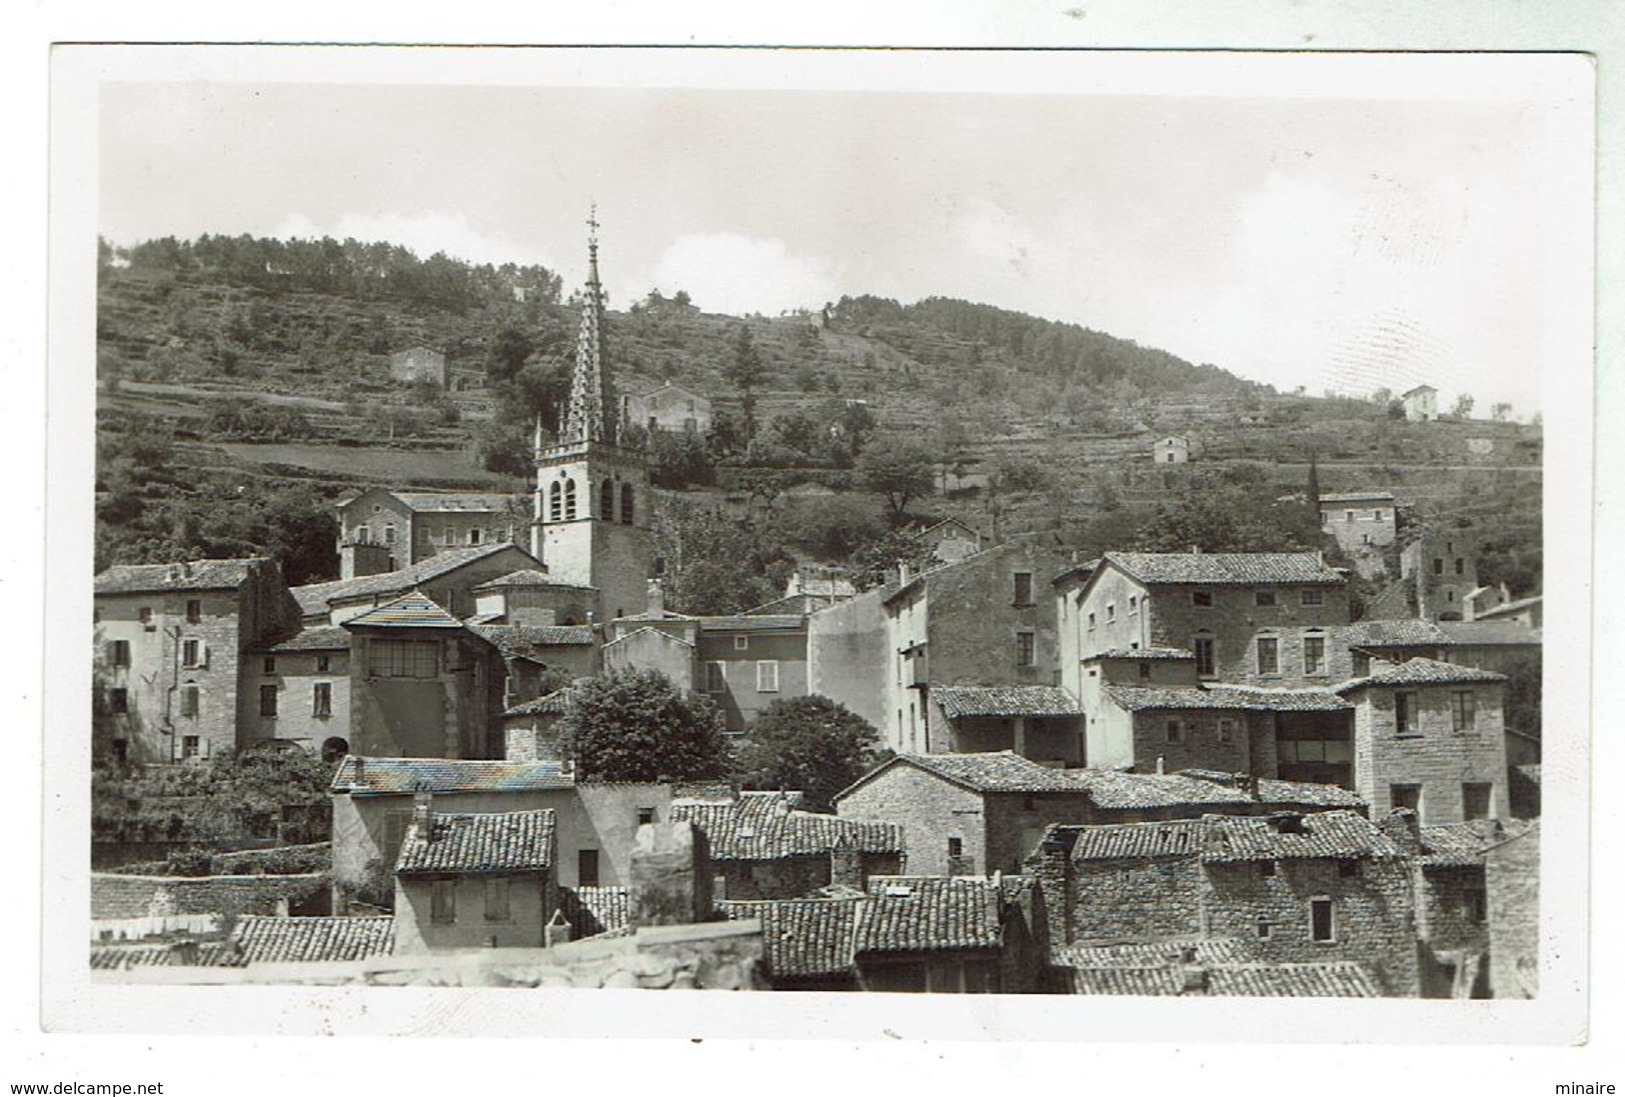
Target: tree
x=1220 y=517
x=1463 y=407
x=899 y=468
x=716 y=563
x=808 y=743
x=507 y=355
x=744 y=371
x=1501 y=411
x=634 y=725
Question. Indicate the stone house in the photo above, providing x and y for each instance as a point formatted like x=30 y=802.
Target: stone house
x=1512 y=878
x=669 y=408
x=1440 y=570
x=594 y=823
x=1208 y=967
x=1172 y=450
x=382 y=530
x=1421 y=403
x=473 y=880
x=171 y=674
x=1452 y=905
x=423 y=684
x=530 y=597
x=448 y=577
x=980 y=622
x=1043 y=723
x=303 y=687
x=1256 y=618
x=1429 y=736
x=950 y=540
x=418 y=363
x=1316 y=888
x=763 y=847
x=537 y=656
x=1363 y=524
x=1523 y=611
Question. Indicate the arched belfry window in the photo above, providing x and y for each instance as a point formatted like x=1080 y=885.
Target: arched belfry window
x=555 y=502
x=626 y=504
x=569 y=499
x=606 y=500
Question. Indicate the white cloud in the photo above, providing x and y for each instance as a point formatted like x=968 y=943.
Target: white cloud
x=423 y=233
x=727 y=272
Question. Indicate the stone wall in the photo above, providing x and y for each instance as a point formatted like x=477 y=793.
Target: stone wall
x=1199 y=744
x=1236 y=622
x=1512 y=879
x=456 y=714
x=847 y=658
x=1138 y=899
x=1016 y=823
x=296 y=674
x=531 y=899
x=1445 y=920
x=930 y=811
x=1436 y=757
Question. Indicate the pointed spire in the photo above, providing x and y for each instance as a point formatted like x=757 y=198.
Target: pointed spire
x=591 y=415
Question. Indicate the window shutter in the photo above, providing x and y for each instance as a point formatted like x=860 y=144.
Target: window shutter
x=203 y=655
x=203 y=747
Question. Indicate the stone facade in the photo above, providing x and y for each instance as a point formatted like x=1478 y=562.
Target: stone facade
x=418 y=364
x=847 y=658
x=1512 y=879
x=1442 y=569
x=452 y=709
x=1171 y=451
x=668 y=408
x=582 y=541
x=530 y=900
x=304 y=698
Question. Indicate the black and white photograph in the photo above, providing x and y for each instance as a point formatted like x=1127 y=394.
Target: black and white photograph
x=553 y=525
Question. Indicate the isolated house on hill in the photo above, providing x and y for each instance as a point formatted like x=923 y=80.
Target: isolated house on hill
x=1173 y=450
x=418 y=363
x=1421 y=403
x=669 y=408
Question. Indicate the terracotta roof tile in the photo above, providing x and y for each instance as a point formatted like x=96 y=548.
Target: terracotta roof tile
x=761 y=622
x=805 y=938
x=188 y=575
x=1422 y=672
x=1114 y=841
x=1327 y=979
x=1357 y=496
x=1142 y=654
x=509 y=841
x=1506 y=609
x=524 y=577
x=411 y=775
x=1271 y=791
x=1411 y=632
x=314 y=598
x=962 y=701
x=1220 y=568
x=1214 y=950
x=319 y=638
x=595 y=910
x=168 y=954
x=930 y=913
x=1120 y=791
x=1331 y=834
x=413 y=609
x=1459 y=844
x=996 y=771
x=1163 y=981
x=1233 y=698
x=1497 y=633
x=552 y=704
x=436 y=502
x=761 y=827
x=279 y=940
x=525 y=639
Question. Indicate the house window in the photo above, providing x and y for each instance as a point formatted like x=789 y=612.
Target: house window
x=1462 y=712
x=1348 y=516
x=403 y=658
x=1202 y=598
x=956 y=847
x=1263 y=597
x=1348 y=869
x=118 y=653
x=626 y=504
x=443 y=902
x=1175 y=731
x=645 y=816
x=188 y=700
x=321 y=699
x=715 y=681
x=1091 y=623
x=191 y=653
x=268 y=700
x=1438 y=566
x=1314 y=655
x=321 y=664
x=475 y=536
x=1460 y=566
x=1262 y=929
x=1476 y=904
x=118 y=700
x=1475 y=800
x=194 y=610
x=1227 y=729
x=1268 y=655
x=1111 y=612
x=1405 y=722
x=741 y=643
x=1314 y=597
x=496 y=900
x=1408 y=797
x=587 y=868
x=1321 y=923
x=1025 y=649
x=270 y=664
x=144 y=614
x=1203 y=647
x=1024 y=588
x=1145 y=670
x=1266 y=868
x=191 y=746
x=389 y=535
x=1133 y=605
x=767 y=676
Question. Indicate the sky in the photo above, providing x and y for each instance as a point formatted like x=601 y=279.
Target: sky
x=1343 y=242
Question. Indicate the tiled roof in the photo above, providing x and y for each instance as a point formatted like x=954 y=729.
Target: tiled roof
x=519 y=639
x=411 y=610
x=124 y=957
x=1233 y=698
x=1326 y=979
x=1506 y=609
x=553 y=704
x=190 y=575
x=508 y=841
x=1511 y=633
x=281 y=940
x=1356 y=497
x=1119 y=791
x=412 y=775
x=761 y=622
x=594 y=910
x=1405 y=632
x=1422 y=672
x=1163 y=980
x=435 y=502
x=828 y=588
x=1335 y=834
x=1219 y=568
x=1215 y=950
x=794 y=604
x=761 y=827
x=314 y=598
x=1418 y=389
x=929 y=913
x=1176 y=838
x=998 y=771
x=319 y=638
x=1271 y=791
x=960 y=701
x=1459 y=844
x=1142 y=654
x=524 y=577
x=804 y=938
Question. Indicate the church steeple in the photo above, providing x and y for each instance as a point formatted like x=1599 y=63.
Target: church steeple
x=591 y=414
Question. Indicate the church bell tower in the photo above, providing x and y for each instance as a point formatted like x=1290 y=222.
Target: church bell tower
x=591 y=524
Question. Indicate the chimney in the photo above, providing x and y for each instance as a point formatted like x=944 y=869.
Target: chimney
x=1251 y=785
x=846 y=865
x=902 y=574
x=360 y=778
x=1320 y=557
x=657 y=599
x=1193 y=976
x=1405 y=830
x=558 y=931
x=671 y=875
x=1196 y=550
x=423 y=815
x=1159 y=763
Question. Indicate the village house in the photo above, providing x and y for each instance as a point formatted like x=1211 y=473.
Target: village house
x=1452 y=904
x=1512 y=879
x=171 y=642
x=381 y=530
x=303 y=687
x=763 y=847
x=1042 y=723
x=373 y=802
x=1172 y=450
x=537 y=657
x=472 y=880
x=1428 y=737
x=1315 y=888
x=1421 y=403
x=670 y=408
x=1523 y=611
x=418 y=363
x=949 y=540
x=1439 y=570
x=1256 y=618
x=1205 y=967
x=448 y=577
x=1363 y=522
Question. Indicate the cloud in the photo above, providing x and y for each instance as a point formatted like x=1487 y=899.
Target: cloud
x=423 y=233
x=727 y=272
